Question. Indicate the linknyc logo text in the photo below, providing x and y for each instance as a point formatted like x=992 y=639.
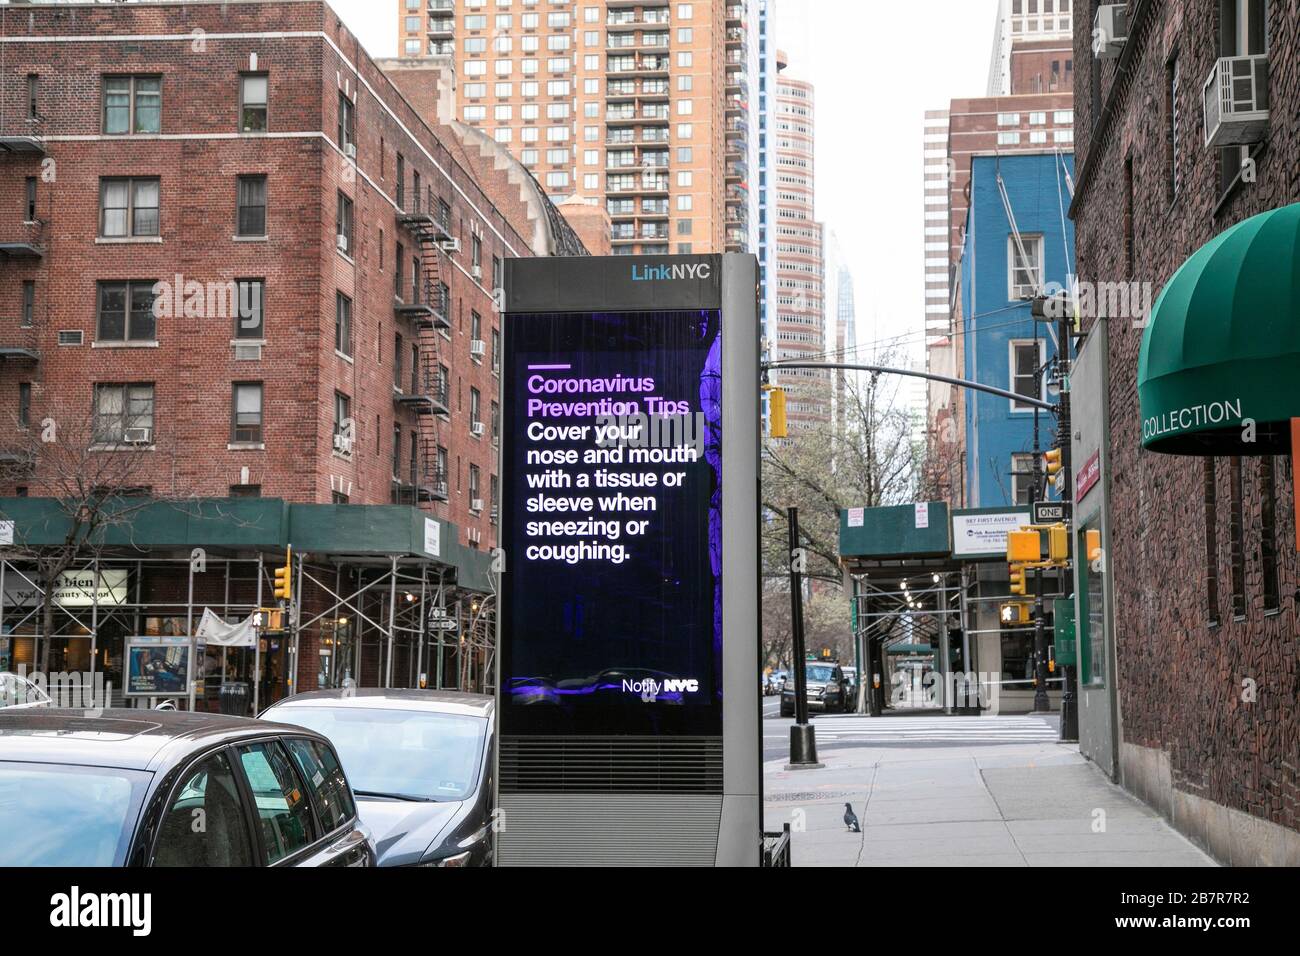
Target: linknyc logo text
x=665 y=273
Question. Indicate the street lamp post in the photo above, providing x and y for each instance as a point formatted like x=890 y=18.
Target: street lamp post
x=803 y=740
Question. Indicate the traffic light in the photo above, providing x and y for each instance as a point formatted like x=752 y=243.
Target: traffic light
x=1052 y=463
x=1093 y=538
x=1018 y=579
x=777 y=424
x=1058 y=543
x=1017 y=612
x=284 y=578
x=1023 y=546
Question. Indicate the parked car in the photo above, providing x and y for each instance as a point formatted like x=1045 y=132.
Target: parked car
x=124 y=789
x=421 y=762
x=827 y=689
x=18 y=691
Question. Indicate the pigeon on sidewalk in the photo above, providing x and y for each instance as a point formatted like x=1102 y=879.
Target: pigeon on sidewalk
x=851 y=819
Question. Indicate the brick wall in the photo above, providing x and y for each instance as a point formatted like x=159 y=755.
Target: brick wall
x=197 y=159
x=1180 y=680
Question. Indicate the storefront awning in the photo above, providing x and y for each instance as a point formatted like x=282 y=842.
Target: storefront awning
x=1219 y=370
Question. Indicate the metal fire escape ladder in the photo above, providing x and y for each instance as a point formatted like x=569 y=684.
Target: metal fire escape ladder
x=429 y=314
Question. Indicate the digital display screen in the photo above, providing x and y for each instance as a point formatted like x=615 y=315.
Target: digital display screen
x=612 y=524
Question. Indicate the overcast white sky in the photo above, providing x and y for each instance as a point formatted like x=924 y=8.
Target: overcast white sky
x=877 y=68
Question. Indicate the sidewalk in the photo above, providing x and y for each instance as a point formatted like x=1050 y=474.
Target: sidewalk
x=1018 y=802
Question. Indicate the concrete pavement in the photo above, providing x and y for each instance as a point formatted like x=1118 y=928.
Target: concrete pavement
x=958 y=791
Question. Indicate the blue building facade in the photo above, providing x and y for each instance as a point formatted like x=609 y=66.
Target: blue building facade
x=1003 y=344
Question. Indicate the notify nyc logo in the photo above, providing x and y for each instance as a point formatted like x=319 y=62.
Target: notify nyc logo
x=670 y=273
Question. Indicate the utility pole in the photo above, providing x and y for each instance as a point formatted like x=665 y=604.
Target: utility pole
x=1041 y=703
x=1064 y=439
x=803 y=741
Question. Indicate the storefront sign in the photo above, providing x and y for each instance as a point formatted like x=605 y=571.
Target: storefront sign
x=6 y=532
x=432 y=538
x=74 y=589
x=985 y=533
x=1088 y=475
x=923 y=515
x=1194 y=418
x=856 y=516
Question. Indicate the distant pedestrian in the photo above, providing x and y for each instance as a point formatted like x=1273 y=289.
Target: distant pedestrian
x=851 y=819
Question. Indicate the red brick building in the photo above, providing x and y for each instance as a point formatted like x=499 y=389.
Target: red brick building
x=1201 y=605
x=230 y=241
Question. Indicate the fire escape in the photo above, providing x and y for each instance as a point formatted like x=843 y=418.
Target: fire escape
x=425 y=305
x=21 y=248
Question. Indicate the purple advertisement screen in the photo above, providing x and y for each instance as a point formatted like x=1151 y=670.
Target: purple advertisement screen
x=612 y=524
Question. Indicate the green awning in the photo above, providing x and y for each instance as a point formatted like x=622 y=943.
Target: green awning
x=1222 y=347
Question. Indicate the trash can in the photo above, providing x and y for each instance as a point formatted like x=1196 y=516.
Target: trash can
x=234 y=699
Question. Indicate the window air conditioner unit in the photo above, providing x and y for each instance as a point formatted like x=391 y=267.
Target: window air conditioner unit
x=477 y=348
x=450 y=244
x=1236 y=101
x=476 y=429
x=341 y=443
x=476 y=504
x=1110 y=31
x=477 y=272
x=342 y=243
x=137 y=436
x=350 y=150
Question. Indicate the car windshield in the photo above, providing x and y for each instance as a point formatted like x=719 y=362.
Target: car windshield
x=66 y=816
x=820 y=672
x=406 y=754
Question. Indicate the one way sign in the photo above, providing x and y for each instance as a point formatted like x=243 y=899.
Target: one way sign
x=1051 y=512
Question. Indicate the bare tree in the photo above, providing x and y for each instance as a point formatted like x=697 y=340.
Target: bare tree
x=98 y=480
x=869 y=460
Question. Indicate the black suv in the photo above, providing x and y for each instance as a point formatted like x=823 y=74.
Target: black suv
x=155 y=788
x=828 y=690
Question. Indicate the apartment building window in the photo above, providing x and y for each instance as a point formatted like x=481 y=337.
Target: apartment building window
x=475 y=333
x=343 y=324
x=397 y=452
x=1008 y=119
x=132 y=104
x=1236 y=538
x=1268 y=533
x=342 y=423
x=475 y=409
x=245 y=491
x=343 y=224
x=253 y=103
x=1243 y=31
x=413 y=469
x=401 y=182
x=124 y=413
x=496 y=350
x=347 y=131
x=29 y=304
x=126 y=312
x=1174 y=131
x=398 y=353
x=24 y=404
x=33 y=96
x=399 y=270
x=1009 y=138
x=246 y=413
x=251 y=202
x=498 y=279
x=1026 y=357
x=29 y=206
x=1211 y=542
x=1025 y=275
x=128 y=207
x=495 y=423
x=475 y=496
x=1022 y=479
x=494 y=484
x=248 y=310
x=442 y=466
x=476 y=252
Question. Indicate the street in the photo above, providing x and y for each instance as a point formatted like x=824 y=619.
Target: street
x=956 y=791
